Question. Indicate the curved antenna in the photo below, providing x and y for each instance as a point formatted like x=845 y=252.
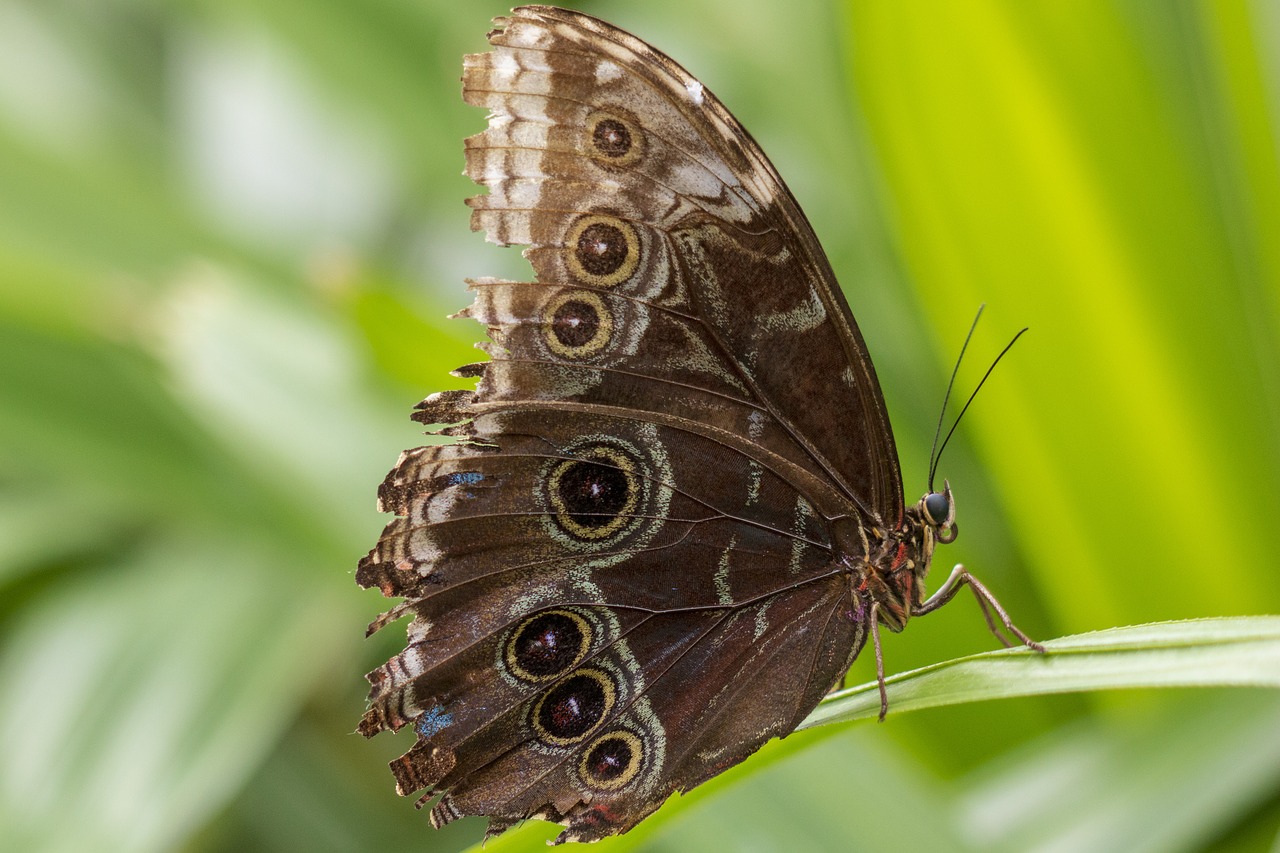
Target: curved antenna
x=933 y=451
x=933 y=467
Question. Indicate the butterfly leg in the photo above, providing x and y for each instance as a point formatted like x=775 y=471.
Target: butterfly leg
x=986 y=601
x=875 y=645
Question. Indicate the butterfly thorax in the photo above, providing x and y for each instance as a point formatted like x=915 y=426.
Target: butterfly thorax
x=888 y=568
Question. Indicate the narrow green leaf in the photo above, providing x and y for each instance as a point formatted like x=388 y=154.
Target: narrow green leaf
x=1237 y=652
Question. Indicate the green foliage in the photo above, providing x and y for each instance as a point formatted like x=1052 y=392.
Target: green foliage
x=229 y=233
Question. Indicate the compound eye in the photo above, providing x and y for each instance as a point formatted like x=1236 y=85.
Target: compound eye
x=938 y=507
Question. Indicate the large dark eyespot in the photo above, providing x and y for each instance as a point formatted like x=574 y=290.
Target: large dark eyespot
x=612 y=760
x=578 y=324
x=573 y=708
x=614 y=140
x=548 y=644
x=938 y=508
x=593 y=493
x=594 y=496
x=602 y=250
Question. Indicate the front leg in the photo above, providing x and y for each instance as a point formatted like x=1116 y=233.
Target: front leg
x=986 y=601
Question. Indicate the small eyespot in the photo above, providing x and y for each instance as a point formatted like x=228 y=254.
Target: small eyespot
x=612 y=760
x=547 y=644
x=602 y=250
x=577 y=324
x=938 y=507
x=613 y=139
x=595 y=495
x=571 y=710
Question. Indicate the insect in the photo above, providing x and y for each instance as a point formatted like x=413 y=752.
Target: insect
x=672 y=513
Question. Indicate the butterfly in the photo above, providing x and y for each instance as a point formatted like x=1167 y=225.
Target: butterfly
x=671 y=512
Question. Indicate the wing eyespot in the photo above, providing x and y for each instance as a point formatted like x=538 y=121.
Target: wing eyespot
x=577 y=325
x=602 y=250
x=612 y=761
x=595 y=495
x=547 y=644
x=613 y=139
x=571 y=710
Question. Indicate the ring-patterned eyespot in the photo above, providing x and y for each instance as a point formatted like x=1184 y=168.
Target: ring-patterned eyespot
x=612 y=760
x=570 y=711
x=577 y=324
x=602 y=250
x=938 y=508
x=613 y=139
x=595 y=494
x=547 y=645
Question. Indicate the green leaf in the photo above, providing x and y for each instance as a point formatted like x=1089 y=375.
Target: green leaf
x=1236 y=652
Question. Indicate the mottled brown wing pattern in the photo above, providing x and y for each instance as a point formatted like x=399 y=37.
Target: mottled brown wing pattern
x=627 y=177
x=621 y=573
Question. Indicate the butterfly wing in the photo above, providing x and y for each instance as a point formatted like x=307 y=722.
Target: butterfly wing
x=621 y=574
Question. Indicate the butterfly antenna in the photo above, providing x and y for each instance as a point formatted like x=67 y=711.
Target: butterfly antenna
x=934 y=465
x=933 y=452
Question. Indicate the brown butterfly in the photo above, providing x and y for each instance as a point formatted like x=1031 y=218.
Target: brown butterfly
x=672 y=513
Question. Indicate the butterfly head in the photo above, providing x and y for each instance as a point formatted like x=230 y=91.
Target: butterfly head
x=938 y=511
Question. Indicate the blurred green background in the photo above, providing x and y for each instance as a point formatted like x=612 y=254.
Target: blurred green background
x=229 y=234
